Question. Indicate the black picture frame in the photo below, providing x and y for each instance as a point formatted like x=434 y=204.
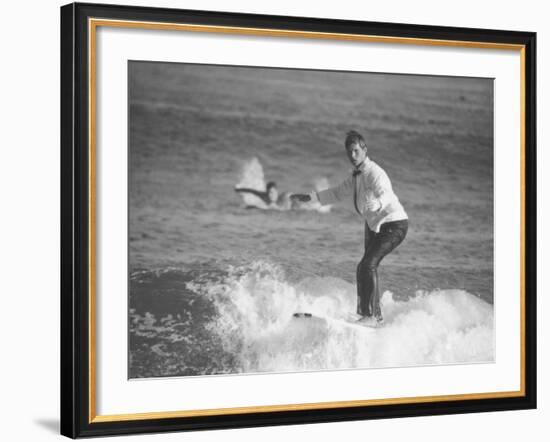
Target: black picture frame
x=76 y=403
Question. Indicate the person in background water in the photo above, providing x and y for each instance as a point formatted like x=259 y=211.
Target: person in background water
x=270 y=197
x=370 y=192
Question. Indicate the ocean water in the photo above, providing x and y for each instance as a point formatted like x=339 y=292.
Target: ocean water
x=213 y=285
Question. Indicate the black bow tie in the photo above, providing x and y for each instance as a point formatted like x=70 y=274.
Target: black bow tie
x=356 y=172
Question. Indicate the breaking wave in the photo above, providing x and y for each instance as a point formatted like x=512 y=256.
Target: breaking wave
x=241 y=321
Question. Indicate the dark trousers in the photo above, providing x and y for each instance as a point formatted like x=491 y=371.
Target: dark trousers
x=377 y=245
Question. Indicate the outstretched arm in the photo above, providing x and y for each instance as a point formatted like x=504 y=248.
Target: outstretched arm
x=252 y=191
x=337 y=193
x=327 y=196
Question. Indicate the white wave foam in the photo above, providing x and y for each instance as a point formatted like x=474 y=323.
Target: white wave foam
x=256 y=324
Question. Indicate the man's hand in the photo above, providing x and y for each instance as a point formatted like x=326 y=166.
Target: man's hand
x=372 y=205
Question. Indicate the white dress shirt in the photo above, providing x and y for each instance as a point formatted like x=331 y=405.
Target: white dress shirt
x=368 y=182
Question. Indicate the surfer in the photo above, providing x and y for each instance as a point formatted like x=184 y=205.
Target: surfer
x=270 y=197
x=369 y=190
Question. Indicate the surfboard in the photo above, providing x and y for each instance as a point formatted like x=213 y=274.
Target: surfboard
x=349 y=322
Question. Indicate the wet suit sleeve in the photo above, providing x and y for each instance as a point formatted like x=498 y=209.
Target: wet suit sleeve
x=261 y=195
x=252 y=191
x=337 y=193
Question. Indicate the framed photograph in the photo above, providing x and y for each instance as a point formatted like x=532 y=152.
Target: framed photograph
x=273 y=220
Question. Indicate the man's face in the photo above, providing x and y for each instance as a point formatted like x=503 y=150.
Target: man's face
x=356 y=154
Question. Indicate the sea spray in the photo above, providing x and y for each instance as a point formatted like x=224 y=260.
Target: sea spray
x=257 y=325
x=252 y=177
x=228 y=319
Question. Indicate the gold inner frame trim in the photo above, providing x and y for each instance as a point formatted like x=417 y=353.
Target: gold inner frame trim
x=301 y=34
x=292 y=407
x=93 y=24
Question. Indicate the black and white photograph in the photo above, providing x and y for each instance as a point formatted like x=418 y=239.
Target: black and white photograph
x=291 y=220
x=275 y=221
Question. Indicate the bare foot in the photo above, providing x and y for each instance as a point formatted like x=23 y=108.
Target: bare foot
x=370 y=321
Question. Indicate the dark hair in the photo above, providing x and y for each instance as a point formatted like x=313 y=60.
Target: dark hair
x=270 y=185
x=353 y=137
